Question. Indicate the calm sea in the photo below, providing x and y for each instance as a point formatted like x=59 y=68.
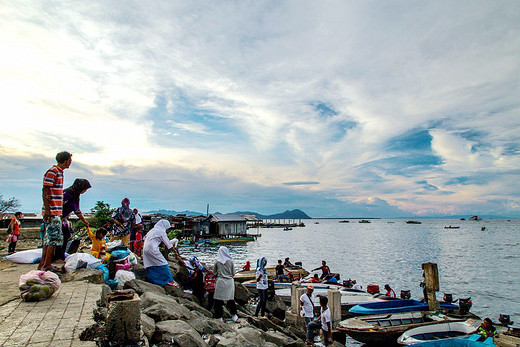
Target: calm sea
x=483 y=265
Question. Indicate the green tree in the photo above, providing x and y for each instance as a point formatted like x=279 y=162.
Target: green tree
x=102 y=214
x=9 y=204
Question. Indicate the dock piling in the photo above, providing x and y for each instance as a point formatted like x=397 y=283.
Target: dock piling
x=431 y=283
x=334 y=306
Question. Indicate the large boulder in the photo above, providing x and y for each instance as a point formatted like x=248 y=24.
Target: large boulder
x=140 y=272
x=242 y=294
x=244 y=337
x=147 y=325
x=278 y=338
x=176 y=333
x=141 y=287
x=163 y=307
x=193 y=306
x=179 y=272
x=276 y=306
x=84 y=274
x=174 y=291
x=205 y=326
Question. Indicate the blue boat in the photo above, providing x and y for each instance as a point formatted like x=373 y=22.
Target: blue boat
x=470 y=341
x=394 y=306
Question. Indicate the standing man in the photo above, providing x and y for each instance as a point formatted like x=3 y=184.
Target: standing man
x=52 y=208
x=307 y=304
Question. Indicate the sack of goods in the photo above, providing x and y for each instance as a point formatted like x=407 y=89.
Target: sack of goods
x=38 y=285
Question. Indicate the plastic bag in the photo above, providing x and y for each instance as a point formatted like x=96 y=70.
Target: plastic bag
x=29 y=256
x=119 y=255
x=103 y=268
x=38 y=285
x=132 y=259
x=78 y=260
x=123 y=276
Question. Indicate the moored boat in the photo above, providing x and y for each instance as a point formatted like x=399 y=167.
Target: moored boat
x=413 y=222
x=435 y=332
x=243 y=276
x=385 y=329
x=394 y=306
x=364 y=221
x=467 y=341
x=343 y=221
x=451 y=227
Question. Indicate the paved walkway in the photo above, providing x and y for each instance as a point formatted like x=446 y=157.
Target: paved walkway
x=57 y=321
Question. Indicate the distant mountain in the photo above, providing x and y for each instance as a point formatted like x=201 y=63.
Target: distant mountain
x=294 y=214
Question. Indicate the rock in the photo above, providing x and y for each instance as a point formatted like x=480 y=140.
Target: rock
x=278 y=322
x=267 y=324
x=92 y=332
x=140 y=272
x=276 y=307
x=123 y=323
x=300 y=333
x=147 y=325
x=252 y=335
x=174 y=291
x=163 y=307
x=176 y=332
x=242 y=294
x=212 y=340
x=90 y=275
x=100 y=314
x=190 y=297
x=105 y=289
x=336 y=344
x=270 y=344
x=141 y=287
x=278 y=338
x=236 y=338
x=179 y=272
x=192 y=306
x=205 y=326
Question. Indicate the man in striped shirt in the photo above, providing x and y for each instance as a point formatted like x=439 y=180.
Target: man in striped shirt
x=52 y=208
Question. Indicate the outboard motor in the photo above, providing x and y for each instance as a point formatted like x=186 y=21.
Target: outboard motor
x=505 y=319
x=373 y=289
x=405 y=294
x=464 y=306
x=348 y=283
x=448 y=298
x=298 y=263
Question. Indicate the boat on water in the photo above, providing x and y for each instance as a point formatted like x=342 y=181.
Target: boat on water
x=475 y=218
x=436 y=332
x=385 y=329
x=413 y=222
x=451 y=227
x=467 y=341
x=296 y=272
x=364 y=221
x=398 y=305
x=343 y=221
x=287 y=229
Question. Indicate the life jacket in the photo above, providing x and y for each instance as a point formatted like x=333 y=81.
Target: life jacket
x=209 y=282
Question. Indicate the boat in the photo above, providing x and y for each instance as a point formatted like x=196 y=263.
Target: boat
x=364 y=221
x=437 y=332
x=296 y=272
x=287 y=229
x=316 y=222
x=413 y=222
x=475 y=218
x=467 y=341
x=343 y=221
x=398 y=305
x=349 y=297
x=231 y=240
x=451 y=227
x=385 y=329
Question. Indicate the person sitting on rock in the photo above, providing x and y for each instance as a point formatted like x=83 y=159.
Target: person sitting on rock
x=99 y=244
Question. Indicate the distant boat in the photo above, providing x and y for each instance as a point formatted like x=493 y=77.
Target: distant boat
x=413 y=222
x=287 y=229
x=343 y=221
x=475 y=218
x=463 y=219
x=364 y=221
x=316 y=222
x=451 y=227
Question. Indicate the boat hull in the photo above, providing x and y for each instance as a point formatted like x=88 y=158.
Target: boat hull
x=438 y=332
x=396 y=306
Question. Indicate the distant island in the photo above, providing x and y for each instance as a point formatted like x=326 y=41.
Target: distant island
x=294 y=214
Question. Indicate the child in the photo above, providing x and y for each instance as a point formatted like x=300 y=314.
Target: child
x=136 y=245
x=323 y=322
x=14 y=230
x=209 y=286
x=99 y=245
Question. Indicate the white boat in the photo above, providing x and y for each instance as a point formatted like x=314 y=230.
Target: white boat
x=437 y=332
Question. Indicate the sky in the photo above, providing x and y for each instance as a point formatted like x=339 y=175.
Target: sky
x=338 y=108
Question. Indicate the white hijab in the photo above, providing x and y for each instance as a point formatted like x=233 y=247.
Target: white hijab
x=223 y=255
x=159 y=229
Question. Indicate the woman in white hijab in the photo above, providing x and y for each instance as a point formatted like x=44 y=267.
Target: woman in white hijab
x=224 y=269
x=157 y=269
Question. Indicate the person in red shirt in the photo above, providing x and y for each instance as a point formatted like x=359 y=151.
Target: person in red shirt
x=14 y=229
x=247 y=267
x=389 y=291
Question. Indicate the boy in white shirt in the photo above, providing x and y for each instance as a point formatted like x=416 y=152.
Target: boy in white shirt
x=323 y=322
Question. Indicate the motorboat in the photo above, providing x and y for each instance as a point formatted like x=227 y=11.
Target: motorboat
x=296 y=272
x=413 y=222
x=343 y=221
x=435 y=332
x=364 y=221
x=473 y=340
x=385 y=329
x=398 y=305
x=451 y=227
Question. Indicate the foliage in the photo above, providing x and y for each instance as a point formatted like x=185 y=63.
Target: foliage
x=8 y=205
x=102 y=214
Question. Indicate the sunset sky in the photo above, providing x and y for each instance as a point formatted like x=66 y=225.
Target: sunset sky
x=338 y=108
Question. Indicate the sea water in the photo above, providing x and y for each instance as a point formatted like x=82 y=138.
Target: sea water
x=481 y=264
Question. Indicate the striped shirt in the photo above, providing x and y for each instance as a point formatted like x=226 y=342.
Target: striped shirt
x=54 y=180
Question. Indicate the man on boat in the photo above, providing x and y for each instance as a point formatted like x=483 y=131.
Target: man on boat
x=389 y=291
x=280 y=275
x=307 y=304
x=323 y=322
x=287 y=263
x=356 y=286
x=486 y=329
x=325 y=270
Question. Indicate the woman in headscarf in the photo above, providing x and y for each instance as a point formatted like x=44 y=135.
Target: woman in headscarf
x=71 y=204
x=197 y=279
x=157 y=269
x=123 y=219
x=224 y=269
x=261 y=286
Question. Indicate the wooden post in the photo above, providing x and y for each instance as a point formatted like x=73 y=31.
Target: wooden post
x=431 y=282
x=334 y=306
x=295 y=297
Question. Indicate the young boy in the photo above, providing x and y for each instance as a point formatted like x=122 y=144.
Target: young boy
x=99 y=245
x=322 y=321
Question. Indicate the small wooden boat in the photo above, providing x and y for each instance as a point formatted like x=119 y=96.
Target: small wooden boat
x=385 y=329
x=394 y=306
x=243 y=276
x=436 y=332
x=364 y=221
x=231 y=240
x=451 y=227
x=413 y=222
